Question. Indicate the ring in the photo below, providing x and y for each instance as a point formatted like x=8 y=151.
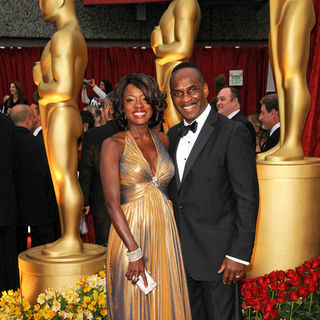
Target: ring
x=132 y=279
x=238 y=276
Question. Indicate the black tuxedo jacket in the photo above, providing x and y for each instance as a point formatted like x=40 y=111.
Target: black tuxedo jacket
x=8 y=212
x=271 y=141
x=36 y=200
x=89 y=165
x=216 y=202
x=242 y=118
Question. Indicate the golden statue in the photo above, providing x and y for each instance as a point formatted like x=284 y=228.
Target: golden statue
x=291 y=22
x=172 y=42
x=59 y=76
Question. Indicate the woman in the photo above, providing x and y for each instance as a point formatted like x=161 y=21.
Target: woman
x=135 y=170
x=16 y=96
x=99 y=92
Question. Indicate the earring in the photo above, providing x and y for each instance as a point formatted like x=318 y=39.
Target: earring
x=125 y=116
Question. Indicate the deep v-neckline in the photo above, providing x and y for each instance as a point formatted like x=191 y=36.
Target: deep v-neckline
x=142 y=155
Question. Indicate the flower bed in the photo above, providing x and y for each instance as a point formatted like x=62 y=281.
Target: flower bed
x=290 y=295
x=293 y=294
x=85 y=300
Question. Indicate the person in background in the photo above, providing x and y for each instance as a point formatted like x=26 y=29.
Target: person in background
x=261 y=134
x=229 y=104
x=96 y=113
x=269 y=116
x=99 y=92
x=89 y=173
x=36 y=202
x=37 y=130
x=15 y=97
x=8 y=209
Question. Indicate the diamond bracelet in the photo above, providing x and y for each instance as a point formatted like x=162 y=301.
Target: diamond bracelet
x=134 y=255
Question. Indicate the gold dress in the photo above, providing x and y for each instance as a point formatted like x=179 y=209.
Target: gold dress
x=150 y=217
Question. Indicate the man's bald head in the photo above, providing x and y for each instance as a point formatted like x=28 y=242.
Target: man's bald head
x=22 y=116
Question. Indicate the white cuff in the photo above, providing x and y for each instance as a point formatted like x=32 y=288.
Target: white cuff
x=246 y=263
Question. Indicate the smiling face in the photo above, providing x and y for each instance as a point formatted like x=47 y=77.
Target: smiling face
x=225 y=103
x=13 y=89
x=136 y=107
x=189 y=93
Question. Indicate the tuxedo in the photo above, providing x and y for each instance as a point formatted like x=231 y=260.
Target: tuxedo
x=37 y=205
x=8 y=205
x=242 y=118
x=90 y=181
x=216 y=200
x=271 y=141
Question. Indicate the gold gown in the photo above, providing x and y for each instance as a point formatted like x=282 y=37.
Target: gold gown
x=150 y=217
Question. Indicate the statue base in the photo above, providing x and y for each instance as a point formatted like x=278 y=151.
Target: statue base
x=288 y=225
x=38 y=272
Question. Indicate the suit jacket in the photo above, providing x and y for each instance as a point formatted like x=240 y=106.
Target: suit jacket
x=89 y=165
x=216 y=202
x=271 y=141
x=242 y=118
x=8 y=212
x=36 y=200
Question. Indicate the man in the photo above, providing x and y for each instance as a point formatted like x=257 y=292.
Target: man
x=269 y=115
x=215 y=197
x=37 y=119
x=59 y=76
x=228 y=104
x=172 y=42
x=9 y=278
x=37 y=208
x=89 y=168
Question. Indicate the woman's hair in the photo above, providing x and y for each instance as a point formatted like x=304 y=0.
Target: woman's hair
x=19 y=89
x=87 y=117
x=107 y=86
x=148 y=85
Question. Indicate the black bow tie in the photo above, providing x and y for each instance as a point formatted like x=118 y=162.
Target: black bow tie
x=184 y=129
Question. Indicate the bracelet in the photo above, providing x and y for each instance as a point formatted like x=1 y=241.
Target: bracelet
x=134 y=255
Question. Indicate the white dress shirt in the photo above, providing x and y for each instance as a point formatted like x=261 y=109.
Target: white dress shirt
x=184 y=148
x=274 y=128
x=232 y=114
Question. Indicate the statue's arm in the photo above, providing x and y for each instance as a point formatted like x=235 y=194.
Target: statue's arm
x=185 y=30
x=59 y=85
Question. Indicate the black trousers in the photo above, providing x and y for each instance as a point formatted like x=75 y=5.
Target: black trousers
x=9 y=275
x=101 y=222
x=212 y=300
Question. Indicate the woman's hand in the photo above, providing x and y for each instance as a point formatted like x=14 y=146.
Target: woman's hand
x=136 y=269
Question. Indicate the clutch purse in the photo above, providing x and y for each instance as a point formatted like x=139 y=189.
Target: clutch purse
x=151 y=283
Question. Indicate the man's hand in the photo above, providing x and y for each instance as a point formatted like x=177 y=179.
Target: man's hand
x=232 y=271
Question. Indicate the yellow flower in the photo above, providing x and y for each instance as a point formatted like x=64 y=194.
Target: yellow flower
x=104 y=312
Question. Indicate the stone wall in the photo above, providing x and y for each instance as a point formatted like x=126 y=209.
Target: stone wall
x=112 y=24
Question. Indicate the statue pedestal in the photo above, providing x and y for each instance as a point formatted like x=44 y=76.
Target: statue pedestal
x=288 y=225
x=38 y=272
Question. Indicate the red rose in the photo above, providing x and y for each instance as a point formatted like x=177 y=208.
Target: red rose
x=274 y=286
x=256 y=305
x=311 y=287
x=281 y=297
x=300 y=270
x=303 y=291
x=282 y=286
x=314 y=264
x=290 y=273
x=295 y=281
x=274 y=312
x=293 y=296
x=307 y=266
x=281 y=275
